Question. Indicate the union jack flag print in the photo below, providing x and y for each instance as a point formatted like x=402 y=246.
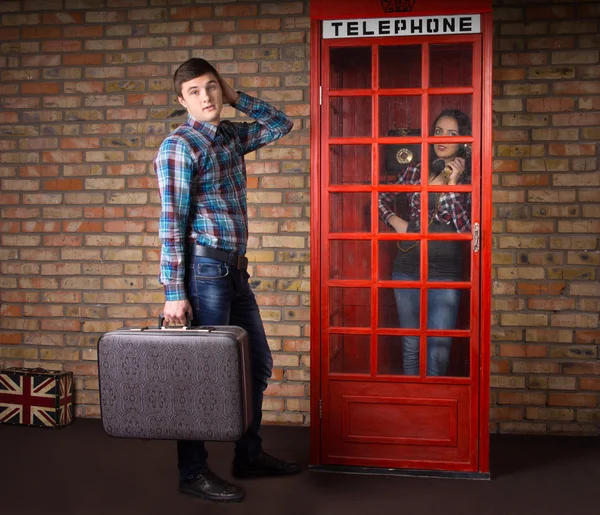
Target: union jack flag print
x=36 y=397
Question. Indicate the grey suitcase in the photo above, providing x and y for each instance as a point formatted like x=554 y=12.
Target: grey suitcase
x=180 y=384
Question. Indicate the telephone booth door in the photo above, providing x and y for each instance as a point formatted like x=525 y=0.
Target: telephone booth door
x=399 y=342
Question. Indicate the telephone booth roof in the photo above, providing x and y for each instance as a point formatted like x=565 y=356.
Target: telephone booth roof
x=341 y=9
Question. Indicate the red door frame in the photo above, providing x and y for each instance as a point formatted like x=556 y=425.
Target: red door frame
x=485 y=259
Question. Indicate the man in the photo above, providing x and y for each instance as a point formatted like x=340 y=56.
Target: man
x=204 y=232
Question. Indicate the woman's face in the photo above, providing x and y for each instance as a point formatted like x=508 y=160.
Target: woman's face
x=446 y=126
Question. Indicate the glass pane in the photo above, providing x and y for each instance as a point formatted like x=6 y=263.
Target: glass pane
x=350 y=68
x=400 y=355
x=349 y=307
x=350 y=212
x=399 y=212
x=408 y=304
x=350 y=259
x=449 y=259
x=397 y=257
x=349 y=353
x=394 y=161
x=449 y=308
x=392 y=314
x=451 y=65
x=447 y=356
x=388 y=313
x=457 y=107
x=400 y=116
x=459 y=364
x=350 y=117
x=350 y=164
x=387 y=253
x=389 y=355
x=400 y=66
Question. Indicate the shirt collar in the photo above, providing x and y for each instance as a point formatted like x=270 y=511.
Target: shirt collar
x=206 y=128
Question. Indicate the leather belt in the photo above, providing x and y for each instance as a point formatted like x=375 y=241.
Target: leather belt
x=231 y=258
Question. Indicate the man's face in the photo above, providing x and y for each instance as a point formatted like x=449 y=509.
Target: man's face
x=203 y=98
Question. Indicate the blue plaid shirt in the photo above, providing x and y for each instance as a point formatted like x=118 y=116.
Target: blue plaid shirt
x=202 y=183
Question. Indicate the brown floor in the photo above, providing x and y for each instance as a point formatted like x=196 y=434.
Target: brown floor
x=78 y=470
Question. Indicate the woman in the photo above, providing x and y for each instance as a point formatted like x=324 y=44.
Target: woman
x=448 y=212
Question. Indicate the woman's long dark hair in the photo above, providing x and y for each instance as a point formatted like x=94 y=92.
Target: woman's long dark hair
x=464 y=129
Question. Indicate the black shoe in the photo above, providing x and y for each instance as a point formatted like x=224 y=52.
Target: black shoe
x=211 y=487
x=264 y=465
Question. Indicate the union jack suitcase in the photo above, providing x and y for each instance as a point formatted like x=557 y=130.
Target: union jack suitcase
x=36 y=397
x=177 y=384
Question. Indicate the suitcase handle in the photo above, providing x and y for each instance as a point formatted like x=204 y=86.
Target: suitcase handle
x=161 y=323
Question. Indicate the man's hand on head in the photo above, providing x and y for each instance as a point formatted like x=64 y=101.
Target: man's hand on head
x=230 y=96
x=177 y=312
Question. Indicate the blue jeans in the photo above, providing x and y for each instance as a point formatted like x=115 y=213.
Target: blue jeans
x=442 y=311
x=220 y=295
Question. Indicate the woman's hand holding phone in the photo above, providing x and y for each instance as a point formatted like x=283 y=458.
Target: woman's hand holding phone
x=454 y=169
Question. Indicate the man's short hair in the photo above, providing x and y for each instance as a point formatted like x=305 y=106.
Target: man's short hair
x=192 y=68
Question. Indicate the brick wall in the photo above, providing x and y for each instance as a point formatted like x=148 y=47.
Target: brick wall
x=86 y=99
x=546 y=369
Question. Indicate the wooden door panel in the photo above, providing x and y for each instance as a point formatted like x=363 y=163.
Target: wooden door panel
x=373 y=424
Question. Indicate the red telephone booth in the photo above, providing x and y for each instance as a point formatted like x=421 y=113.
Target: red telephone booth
x=398 y=385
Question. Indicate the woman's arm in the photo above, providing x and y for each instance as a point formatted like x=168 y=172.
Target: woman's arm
x=456 y=205
x=410 y=175
x=398 y=224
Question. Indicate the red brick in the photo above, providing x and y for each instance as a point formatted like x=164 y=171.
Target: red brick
x=236 y=11
x=11 y=338
x=20 y=212
x=41 y=32
x=65 y=45
x=573 y=399
x=83 y=59
x=38 y=283
x=190 y=13
x=550 y=104
x=40 y=88
x=572 y=149
x=590 y=383
x=142 y=182
x=76 y=226
x=80 y=143
x=592 y=337
x=547 y=288
x=8 y=34
x=511 y=74
x=259 y=24
x=83 y=32
x=9 y=118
